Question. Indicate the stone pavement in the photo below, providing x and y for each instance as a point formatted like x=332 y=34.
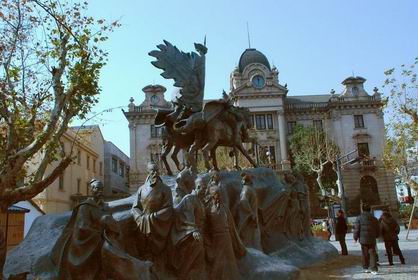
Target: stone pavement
x=349 y=267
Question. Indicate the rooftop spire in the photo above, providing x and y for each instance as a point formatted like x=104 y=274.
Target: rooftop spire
x=248 y=36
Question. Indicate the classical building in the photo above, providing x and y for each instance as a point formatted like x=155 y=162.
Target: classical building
x=145 y=139
x=94 y=158
x=116 y=169
x=353 y=118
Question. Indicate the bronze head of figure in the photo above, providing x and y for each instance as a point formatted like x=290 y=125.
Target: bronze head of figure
x=153 y=172
x=96 y=187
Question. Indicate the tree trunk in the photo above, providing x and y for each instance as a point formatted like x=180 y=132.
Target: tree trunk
x=319 y=180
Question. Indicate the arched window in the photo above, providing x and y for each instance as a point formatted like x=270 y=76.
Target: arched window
x=369 y=192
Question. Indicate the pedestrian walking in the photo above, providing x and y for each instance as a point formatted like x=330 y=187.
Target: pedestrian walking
x=389 y=230
x=366 y=230
x=340 y=231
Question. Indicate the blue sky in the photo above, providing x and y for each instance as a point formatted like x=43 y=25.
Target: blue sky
x=314 y=44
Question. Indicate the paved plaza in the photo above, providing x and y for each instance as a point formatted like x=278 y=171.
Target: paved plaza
x=349 y=267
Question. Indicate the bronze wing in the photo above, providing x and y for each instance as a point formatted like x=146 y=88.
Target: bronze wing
x=186 y=69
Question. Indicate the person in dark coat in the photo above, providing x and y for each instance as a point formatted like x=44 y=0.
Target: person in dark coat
x=341 y=231
x=366 y=230
x=389 y=229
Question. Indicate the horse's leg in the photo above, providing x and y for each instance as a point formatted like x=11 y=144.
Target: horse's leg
x=166 y=150
x=206 y=149
x=245 y=153
x=236 y=159
x=174 y=157
x=191 y=162
x=213 y=156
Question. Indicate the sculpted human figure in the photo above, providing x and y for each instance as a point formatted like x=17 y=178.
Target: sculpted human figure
x=246 y=217
x=185 y=183
x=77 y=253
x=152 y=211
x=223 y=245
x=293 y=220
x=188 y=234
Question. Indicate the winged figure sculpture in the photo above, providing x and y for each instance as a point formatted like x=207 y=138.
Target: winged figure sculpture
x=186 y=69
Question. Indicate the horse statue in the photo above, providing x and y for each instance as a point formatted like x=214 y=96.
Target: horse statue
x=192 y=126
x=171 y=138
x=228 y=128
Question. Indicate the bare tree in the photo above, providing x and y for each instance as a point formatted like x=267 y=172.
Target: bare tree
x=400 y=154
x=311 y=150
x=50 y=63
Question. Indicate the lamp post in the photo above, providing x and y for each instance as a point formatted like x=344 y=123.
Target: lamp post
x=339 y=163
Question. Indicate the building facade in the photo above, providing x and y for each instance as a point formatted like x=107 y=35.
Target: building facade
x=93 y=159
x=116 y=169
x=352 y=118
x=87 y=145
x=145 y=139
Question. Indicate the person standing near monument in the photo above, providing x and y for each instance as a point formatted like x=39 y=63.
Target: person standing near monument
x=152 y=211
x=389 y=229
x=341 y=231
x=366 y=230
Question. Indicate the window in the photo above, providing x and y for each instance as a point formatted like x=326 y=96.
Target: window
x=358 y=121
x=156 y=132
x=78 y=185
x=260 y=122
x=94 y=165
x=61 y=182
x=121 y=169
x=267 y=154
x=252 y=120
x=114 y=165
x=355 y=91
x=290 y=127
x=101 y=168
x=363 y=149
x=79 y=157
x=88 y=162
x=317 y=124
x=270 y=121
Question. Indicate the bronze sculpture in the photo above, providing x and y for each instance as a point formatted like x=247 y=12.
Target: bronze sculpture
x=172 y=140
x=246 y=216
x=77 y=253
x=188 y=235
x=152 y=212
x=194 y=235
x=217 y=123
x=223 y=245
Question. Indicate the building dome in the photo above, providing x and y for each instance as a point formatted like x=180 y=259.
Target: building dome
x=250 y=56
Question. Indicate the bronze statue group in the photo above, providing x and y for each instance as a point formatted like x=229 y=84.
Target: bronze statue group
x=200 y=234
x=196 y=235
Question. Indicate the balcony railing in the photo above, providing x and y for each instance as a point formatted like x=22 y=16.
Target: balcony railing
x=368 y=163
